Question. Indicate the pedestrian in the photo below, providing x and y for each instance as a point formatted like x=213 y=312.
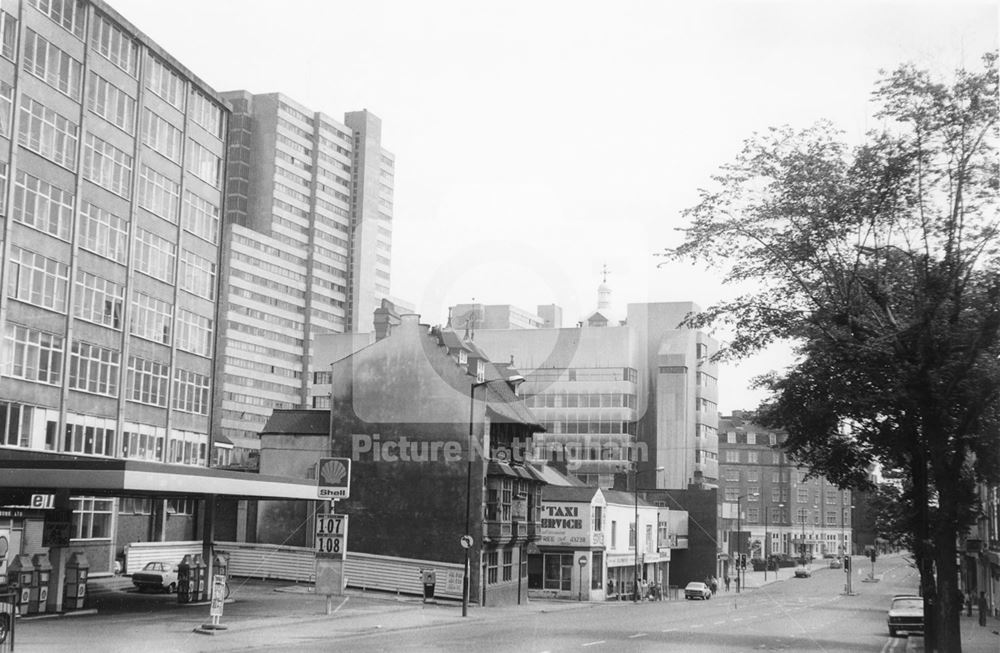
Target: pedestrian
x=714 y=584
x=983 y=607
x=727 y=582
x=737 y=581
x=968 y=603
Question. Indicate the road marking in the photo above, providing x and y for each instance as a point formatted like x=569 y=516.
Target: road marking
x=669 y=630
x=637 y=635
x=738 y=619
x=696 y=625
x=600 y=641
x=716 y=623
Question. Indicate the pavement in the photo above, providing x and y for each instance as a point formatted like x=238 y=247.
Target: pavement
x=975 y=638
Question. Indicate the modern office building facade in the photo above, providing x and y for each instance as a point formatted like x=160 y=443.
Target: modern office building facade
x=774 y=503
x=111 y=185
x=642 y=390
x=309 y=235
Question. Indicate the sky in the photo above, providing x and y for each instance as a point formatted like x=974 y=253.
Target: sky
x=538 y=141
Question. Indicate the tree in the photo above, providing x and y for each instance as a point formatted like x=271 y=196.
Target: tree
x=881 y=264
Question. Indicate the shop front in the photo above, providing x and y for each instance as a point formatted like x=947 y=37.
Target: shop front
x=569 y=561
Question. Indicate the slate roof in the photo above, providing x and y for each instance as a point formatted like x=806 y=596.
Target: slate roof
x=568 y=493
x=624 y=498
x=298 y=421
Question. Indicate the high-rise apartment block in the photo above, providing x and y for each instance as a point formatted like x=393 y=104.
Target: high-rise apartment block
x=111 y=172
x=309 y=237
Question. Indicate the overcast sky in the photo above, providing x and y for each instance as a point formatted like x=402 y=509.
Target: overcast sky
x=537 y=141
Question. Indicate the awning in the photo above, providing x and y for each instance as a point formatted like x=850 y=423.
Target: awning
x=34 y=470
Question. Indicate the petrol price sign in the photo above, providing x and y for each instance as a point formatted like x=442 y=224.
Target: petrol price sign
x=331 y=536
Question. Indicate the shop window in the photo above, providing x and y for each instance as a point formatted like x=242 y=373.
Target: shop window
x=558 y=571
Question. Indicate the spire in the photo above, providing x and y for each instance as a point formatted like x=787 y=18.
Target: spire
x=604 y=291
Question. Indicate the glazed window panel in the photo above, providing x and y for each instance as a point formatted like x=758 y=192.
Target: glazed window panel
x=206 y=165
x=159 y=194
x=161 y=135
x=164 y=82
x=194 y=333
x=201 y=217
x=6 y=107
x=111 y=103
x=155 y=256
x=151 y=318
x=50 y=64
x=197 y=275
x=68 y=14
x=43 y=206
x=112 y=43
x=93 y=368
x=147 y=382
x=103 y=233
x=48 y=133
x=99 y=300
x=8 y=35
x=107 y=166
x=37 y=280
x=191 y=392
x=92 y=518
x=32 y=355
x=207 y=113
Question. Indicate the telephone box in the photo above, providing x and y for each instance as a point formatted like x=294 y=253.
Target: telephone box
x=184 y=581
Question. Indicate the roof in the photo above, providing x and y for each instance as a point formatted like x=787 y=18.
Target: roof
x=115 y=476
x=623 y=498
x=568 y=493
x=552 y=476
x=298 y=421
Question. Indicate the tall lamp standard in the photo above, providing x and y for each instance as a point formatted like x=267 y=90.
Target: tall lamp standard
x=467 y=539
x=635 y=498
x=767 y=540
x=802 y=544
x=739 y=543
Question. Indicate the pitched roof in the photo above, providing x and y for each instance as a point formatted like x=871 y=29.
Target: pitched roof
x=297 y=421
x=624 y=498
x=568 y=493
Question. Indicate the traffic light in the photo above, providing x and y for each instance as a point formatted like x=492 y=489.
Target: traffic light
x=743 y=561
x=873 y=555
x=847 y=564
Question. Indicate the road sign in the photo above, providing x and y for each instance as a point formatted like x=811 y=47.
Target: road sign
x=466 y=541
x=218 y=595
x=331 y=536
x=334 y=478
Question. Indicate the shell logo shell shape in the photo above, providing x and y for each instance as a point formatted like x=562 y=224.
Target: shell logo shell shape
x=333 y=472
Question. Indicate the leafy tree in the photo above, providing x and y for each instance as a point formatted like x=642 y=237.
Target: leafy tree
x=881 y=264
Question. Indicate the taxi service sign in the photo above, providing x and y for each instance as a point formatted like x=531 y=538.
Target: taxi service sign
x=331 y=536
x=334 y=478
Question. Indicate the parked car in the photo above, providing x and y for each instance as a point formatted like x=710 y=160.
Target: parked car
x=696 y=590
x=802 y=572
x=906 y=613
x=156 y=575
x=836 y=564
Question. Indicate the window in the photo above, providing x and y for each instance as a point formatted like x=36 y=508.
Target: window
x=732 y=456
x=753 y=493
x=37 y=280
x=197 y=275
x=99 y=300
x=206 y=113
x=163 y=81
x=201 y=217
x=191 y=392
x=143 y=441
x=204 y=164
x=162 y=136
x=753 y=457
x=135 y=506
x=158 y=194
x=598 y=518
x=43 y=206
x=147 y=382
x=558 y=571
x=151 y=318
x=103 y=233
x=731 y=474
x=111 y=103
x=68 y=14
x=491 y=567
x=802 y=515
x=91 y=518
x=753 y=515
x=47 y=133
x=18 y=422
x=508 y=564
x=155 y=256
x=802 y=494
x=31 y=355
x=180 y=506
x=93 y=368
x=6 y=106
x=114 y=44
x=614 y=534
x=631 y=535
x=90 y=435
x=8 y=27
x=663 y=533
x=831 y=517
x=732 y=493
x=52 y=65
x=187 y=448
x=107 y=166
x=753 y=475
x=194 y=333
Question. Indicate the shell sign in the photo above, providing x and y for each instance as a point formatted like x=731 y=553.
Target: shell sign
x=334 y=478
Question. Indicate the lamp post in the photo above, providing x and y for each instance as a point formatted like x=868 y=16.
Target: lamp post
x=802 y=545
x=635 y=498
x=467 y=539
x=767 y=539
x=739 y=541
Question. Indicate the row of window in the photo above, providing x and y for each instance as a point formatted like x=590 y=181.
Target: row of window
x=581 y=400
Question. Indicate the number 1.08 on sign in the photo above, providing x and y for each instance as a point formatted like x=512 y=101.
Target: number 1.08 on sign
x=331 y=535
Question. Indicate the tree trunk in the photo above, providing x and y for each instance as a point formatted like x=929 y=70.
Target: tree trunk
x=948 y=631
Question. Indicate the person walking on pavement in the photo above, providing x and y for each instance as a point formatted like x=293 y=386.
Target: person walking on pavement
x=727 y=582
x=983 y=607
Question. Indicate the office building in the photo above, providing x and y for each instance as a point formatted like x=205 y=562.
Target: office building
x=774 y=504
x=612 y=391
x=308 y=232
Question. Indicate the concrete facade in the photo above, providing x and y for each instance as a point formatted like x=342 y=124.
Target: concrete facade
x=308 y=233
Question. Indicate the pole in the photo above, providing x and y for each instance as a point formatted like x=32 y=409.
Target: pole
x=739 y=545
x=468 y=500
x=767 y=540
x=635 y=496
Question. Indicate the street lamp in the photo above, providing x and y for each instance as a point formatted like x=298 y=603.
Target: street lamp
x=467 y=538
x=802 y=544
x=635 y=497
x=739 y=537
x=767 y=539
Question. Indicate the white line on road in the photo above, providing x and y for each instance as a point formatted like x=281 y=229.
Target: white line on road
x=669 y=630
x=737 y=618
x=637 y=635
x=696 y=625
x=600 y=641
x=716 y=623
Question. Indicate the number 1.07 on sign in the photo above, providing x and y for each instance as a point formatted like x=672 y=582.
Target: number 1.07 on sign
x=331 y=535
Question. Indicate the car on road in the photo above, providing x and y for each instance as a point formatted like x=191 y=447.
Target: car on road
x=802 y=572
x=697 y=590
x=906 y=613
x=156 y=575
x=836 y=564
